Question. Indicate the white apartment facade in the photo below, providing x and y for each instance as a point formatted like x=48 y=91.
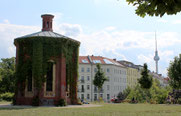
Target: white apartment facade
x=114 y=71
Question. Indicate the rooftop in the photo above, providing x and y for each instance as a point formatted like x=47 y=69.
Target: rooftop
x=98 y=59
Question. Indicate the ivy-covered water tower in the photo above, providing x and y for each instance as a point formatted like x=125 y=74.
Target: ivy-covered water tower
x=46 y=67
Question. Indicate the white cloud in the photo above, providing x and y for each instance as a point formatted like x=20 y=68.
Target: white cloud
x=147 y=58
x=71 y=30
x=8 y=32
x=108 y=42
x=166 y=55
x=162 y=21
x=176 y=22
x=6 y=21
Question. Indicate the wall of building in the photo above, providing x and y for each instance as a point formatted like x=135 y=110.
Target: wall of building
x=133 y=75
x=116 y=81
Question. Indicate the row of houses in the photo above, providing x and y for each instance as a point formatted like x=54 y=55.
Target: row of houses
x=120 y=74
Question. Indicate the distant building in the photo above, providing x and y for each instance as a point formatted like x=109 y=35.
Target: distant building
x=163 y=80
x=133 y=72
x=114 y=71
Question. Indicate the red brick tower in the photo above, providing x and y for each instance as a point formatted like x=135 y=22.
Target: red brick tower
x=47 y=22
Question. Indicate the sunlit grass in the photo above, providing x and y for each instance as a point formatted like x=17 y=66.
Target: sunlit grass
x=104 y=110
x=5 y=102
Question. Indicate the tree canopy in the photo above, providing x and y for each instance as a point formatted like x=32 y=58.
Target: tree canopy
x=146 y=80
x=174 y=72
x=99 y=78
x=7 y=75
x=156 y=7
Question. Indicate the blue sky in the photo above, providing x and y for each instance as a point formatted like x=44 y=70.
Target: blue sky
x=107 y=28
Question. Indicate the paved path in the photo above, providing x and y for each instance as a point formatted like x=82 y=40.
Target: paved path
x=69 y=106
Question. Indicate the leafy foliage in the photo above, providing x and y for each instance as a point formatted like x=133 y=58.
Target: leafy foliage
x=7 y=75
x=156 y=94
x=174 y=73
x=35 y=101
x=156 y=7
x=7 y=96
x=35 y=52
x=124 y=94
x=99 y=78
x=146 y=80
x=121 y=96
x=62 y=102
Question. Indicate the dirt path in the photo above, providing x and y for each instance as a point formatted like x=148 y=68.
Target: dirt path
x=69 y=106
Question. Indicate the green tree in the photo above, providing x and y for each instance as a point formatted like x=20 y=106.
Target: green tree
x=146 y=80
x=7 y=75
x=156 y=94
x=174 y=72
x=99 y=78
x=156 y=7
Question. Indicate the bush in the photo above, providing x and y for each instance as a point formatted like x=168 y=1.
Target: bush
x=155 y=95
x=35 y=101
x=179 y=100
x=62 y=102
x=7 y=96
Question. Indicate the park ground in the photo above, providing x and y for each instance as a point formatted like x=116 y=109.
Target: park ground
x=96 y=109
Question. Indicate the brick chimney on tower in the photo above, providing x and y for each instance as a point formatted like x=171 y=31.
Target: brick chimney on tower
x=47 y=22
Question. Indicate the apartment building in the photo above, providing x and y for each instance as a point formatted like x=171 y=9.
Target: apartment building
x=114 y=71
x=133 y=73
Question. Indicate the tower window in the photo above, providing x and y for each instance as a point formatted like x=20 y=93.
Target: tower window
x=29 y=87
x=47 y=24
x=49 y=78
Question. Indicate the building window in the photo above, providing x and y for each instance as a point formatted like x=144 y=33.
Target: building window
x=95 y=89
x=47 y=24
x=82 y=79
x=30 y=80
x=108 y=70
x=88 y=87
x=82 y=69
x=108 y=87
x=49 y=77
x=88 y=69
x=88 y=78
x=82 y=88
x=88 y=96
x=108 y=96
x=95 y=97
x=82 y=96
x=95 y=69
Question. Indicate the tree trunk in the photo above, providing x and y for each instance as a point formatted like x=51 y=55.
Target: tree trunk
x=99 y=90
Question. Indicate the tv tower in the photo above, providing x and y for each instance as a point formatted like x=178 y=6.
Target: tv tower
x=156 y=57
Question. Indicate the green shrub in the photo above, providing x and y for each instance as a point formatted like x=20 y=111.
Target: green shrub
x=35 y=101
x=62 y=102
x=179 y=100
x=7 y=96
x=155 y=95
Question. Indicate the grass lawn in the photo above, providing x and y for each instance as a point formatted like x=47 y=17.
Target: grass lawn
x=4 y=102
x=104 y=110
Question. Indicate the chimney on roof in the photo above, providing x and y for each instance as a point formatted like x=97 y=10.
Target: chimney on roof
x=114 y=59
x=47 y=21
